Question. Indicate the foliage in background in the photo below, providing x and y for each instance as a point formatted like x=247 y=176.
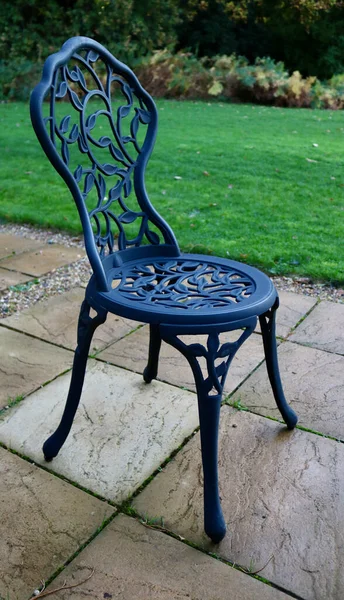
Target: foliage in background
x=307 y=35
x=32 y=29
x=302 y=11
x=181 y=75
x=129 y=28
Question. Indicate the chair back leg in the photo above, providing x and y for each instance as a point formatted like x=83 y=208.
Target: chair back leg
x=86 y=328
x=151 y=370
x=268 y=327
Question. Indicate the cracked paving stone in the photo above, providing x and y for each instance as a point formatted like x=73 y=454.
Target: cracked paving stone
x=123 y=430
x=323 y=328
x=282 y=495
x=16 y=244
x=133 y=562
x=292 y=308
x=313 y=383
x=44 y=520
x=132 y=353
x=56 y=320
x=27 y=363
x=39 y=262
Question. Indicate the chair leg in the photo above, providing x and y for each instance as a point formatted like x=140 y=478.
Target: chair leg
x=151 y=370
x=209 y=418
x=268 y=327
x=86 y=328
x=209 y=393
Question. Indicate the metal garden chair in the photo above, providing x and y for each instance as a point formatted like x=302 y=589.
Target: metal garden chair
x=101 y=151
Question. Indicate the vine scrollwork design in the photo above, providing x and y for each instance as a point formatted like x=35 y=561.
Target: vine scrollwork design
x=183 y=284
x=213 y=383
x=102 y=100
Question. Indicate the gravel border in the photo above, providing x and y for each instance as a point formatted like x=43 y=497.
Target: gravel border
x=58 y=281
x=43 y=235
x=303 y=285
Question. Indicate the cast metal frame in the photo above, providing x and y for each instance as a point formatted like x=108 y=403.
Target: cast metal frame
x=144 y=276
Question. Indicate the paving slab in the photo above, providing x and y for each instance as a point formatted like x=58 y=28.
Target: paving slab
x=44 y=520
x=283 y=499
x=292 y=308
x=133 y=562
x=56 y=320
x=27 y=363
x=8 y=278
x=39 y=262
x=123 y=430
x=132 y=353
x=323 y=328
x=15 y=244
x=313 y=383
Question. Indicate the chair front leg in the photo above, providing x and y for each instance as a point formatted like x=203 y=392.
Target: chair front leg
x=86 y=328
x=268 y=327
x=151 y=370
x=209 y=393
x=209 y=418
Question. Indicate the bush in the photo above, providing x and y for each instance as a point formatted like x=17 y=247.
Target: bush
x=182 y=75
x=249 y=83
x=18 y=79
x=31 y=30
x=179 y=75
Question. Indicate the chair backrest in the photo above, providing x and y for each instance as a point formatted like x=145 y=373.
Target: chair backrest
x=97 y=125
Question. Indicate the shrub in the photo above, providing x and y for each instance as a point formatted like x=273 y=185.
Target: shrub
x=326 y=96
x=34 y=29
x=18 y=79
x=179 y=75
x=182 y=75
x=268 y=82
x=249 y=83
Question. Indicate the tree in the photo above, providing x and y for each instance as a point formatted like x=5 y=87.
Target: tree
x=307 y=35
x=304 y=12
x=32 y=29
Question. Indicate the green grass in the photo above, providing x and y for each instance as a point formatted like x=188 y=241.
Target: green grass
x=263 y=202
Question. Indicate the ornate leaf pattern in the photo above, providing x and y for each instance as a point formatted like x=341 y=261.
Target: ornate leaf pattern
x=184 y=284
x=88 y=78
x=213 y=383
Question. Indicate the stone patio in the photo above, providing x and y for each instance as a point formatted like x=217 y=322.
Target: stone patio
x=282 y=492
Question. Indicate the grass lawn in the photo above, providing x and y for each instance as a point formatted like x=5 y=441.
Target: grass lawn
x=261 y=185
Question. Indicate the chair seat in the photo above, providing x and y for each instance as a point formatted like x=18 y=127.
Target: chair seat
x=188 y=289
